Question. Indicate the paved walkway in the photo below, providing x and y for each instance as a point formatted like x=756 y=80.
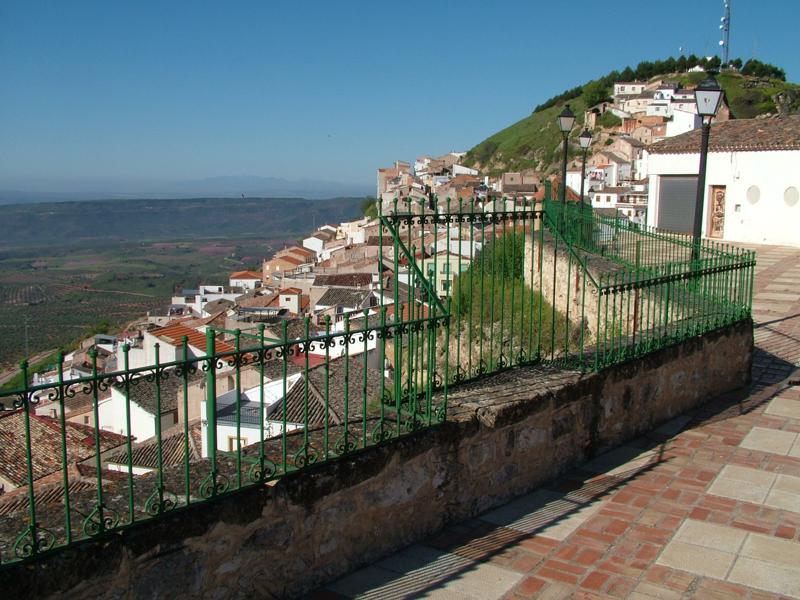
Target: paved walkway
x=707 y=506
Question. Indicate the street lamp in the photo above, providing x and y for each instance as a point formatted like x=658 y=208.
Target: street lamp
x=565 y=122
x=585 y=139
x=708 y=96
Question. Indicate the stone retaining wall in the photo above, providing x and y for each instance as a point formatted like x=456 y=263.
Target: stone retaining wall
x=506 y=435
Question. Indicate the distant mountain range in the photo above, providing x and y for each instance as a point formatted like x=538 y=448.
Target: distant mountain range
x=233 y=186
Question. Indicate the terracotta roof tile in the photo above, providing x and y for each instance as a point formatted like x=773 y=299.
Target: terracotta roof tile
x=245 y=275
x=738 y=135
x=172 y=334
x=45 y=435
x=344 y=280
x=145 y=454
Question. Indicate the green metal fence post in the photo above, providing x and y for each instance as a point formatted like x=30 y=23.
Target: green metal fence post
x=211 y=412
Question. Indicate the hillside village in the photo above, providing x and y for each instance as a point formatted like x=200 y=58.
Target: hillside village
x=342 y=273
x=641 y=113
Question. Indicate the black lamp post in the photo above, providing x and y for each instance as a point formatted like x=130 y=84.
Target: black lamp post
x=585 y=139
x=565 y=122
x=708 y=96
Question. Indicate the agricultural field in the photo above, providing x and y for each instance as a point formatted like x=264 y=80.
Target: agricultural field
x=66 y=268
x=54 y=299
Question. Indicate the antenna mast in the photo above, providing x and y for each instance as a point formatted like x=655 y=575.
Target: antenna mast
x=725 y=26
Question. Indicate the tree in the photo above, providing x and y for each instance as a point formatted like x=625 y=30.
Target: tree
x=681 y=63
x=757 y=68
x=736 y=63
x=370 y=207
x=595 y=92
x=628 y=74
x=714 y=63
x=645 y=70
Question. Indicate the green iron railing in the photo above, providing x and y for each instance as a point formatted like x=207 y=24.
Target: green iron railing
x=624 y=241
x=462 y=293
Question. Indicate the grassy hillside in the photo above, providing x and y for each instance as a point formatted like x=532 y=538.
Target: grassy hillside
x=532 y=143
x=535 y=142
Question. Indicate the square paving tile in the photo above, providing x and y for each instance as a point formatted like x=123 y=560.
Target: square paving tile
x=766 y=576
x=696 y=559
x=739 y=490
x=773 y=550
x=544 y=512
x=784 y=407
x=620 y=460
x=674 y=426
x=785 y=493
x=747 y=475
x=735 y=555
x=422 y=572
x=769 y=440
x=710 y=535
x=794 y=451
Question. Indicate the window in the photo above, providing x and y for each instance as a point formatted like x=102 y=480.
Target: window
x=85 y=420
x=445 y=285
x=791 y=196
x=53 y=413
x=753 y=194
x=232 y=443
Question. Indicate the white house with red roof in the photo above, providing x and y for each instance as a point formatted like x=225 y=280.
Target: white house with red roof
x=248 y=280
x=752 y=188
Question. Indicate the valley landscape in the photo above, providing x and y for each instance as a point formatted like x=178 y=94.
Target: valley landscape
x=70 y=268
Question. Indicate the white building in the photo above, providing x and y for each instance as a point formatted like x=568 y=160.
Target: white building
x=170 y=346
x=353 y=232
x=462 y=170
x=248 y=280
x=197 y=299
x=752 y=190
x=228 y=439
x=628 y=88
x=682 y=121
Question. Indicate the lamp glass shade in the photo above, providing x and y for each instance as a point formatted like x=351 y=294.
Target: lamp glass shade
x=708 y=96
x=566 y=120
x=585 y=138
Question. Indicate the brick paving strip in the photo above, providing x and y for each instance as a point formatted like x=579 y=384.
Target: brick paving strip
x=706 y=506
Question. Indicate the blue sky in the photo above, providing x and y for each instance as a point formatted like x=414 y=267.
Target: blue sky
x=117 y=94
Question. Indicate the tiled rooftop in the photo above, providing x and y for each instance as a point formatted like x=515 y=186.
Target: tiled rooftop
x=737 y=135
x=173 y=334
x=45 y=436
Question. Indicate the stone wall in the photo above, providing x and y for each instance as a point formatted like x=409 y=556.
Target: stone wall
x=551 y=268
x=506 y=435
x=625 y=314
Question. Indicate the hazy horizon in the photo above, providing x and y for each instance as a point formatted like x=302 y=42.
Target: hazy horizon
x=226 y=186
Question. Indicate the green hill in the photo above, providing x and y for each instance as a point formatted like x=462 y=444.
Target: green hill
x=535 y=141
